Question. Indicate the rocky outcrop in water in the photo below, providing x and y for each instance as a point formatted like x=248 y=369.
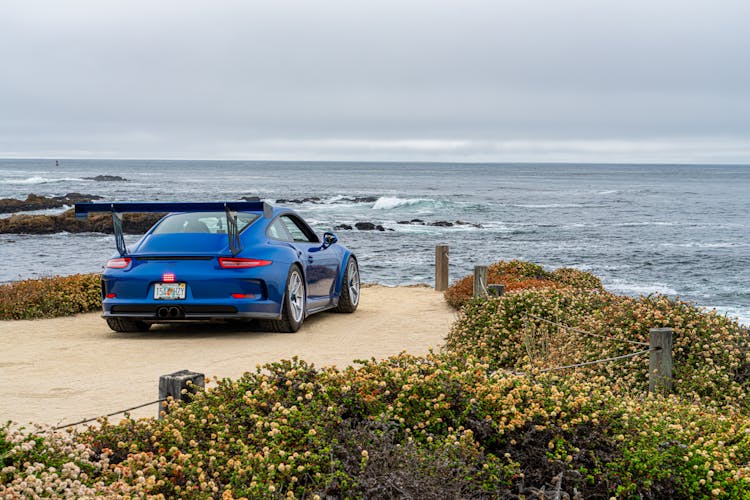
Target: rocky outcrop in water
x=368 y=226
x=440 y=223
x=66 y=222
x=297 y=201
x=317 y=200
x=371 y=226
x=37 y=202
x=107 y=178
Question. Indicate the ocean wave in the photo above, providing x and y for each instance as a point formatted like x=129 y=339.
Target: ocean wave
x=44 y=211
x=634 y=289
x=39 y=180
x=696 y=244
x=635 y=224
x=391 y=202
x=741 y=316
x=554 y=205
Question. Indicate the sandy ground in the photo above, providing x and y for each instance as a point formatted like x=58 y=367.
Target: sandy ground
x=59 y=371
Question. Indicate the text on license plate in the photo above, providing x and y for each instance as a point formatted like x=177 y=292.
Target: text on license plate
x=169 y=291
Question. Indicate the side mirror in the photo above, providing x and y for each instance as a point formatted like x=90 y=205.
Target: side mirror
x=329 y=239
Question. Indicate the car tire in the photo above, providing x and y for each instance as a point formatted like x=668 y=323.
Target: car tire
x=350 y=287
x=126 y=325
x=293 y=304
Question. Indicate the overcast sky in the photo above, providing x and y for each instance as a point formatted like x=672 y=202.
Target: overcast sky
x=465 y=80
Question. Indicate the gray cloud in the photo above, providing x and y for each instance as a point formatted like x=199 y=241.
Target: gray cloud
x=476 y=80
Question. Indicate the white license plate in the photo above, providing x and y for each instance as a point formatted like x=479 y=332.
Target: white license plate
x=169 y=291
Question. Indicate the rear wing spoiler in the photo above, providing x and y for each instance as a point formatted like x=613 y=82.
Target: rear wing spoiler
x=82 y=211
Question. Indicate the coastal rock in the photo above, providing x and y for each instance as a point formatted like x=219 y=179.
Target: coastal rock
x=317 y=200
x=343 y=227
x=440 y=223
x=66 y=222
x=368 y=226
x=472 y=224
x=37 y=202
x=285 y=201
x=361 y=199
x=106 y=178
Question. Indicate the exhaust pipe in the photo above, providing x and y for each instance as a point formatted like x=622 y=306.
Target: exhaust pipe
x=174 y=312
x=162 y=312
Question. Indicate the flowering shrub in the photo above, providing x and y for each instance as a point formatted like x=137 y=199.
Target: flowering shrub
x=479 y=419
x=710 y=352
x=407 y=426
x=50 y=297
x=518 y=275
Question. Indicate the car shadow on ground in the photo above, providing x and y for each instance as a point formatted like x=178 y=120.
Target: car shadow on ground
x=252 y=328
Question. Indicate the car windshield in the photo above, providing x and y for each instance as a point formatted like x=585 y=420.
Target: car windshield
x=202 y=222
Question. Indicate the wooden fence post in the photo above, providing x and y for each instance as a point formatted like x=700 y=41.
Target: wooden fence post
x=496 y=290
x=660 y=361
x=480 y=281
x=441 y=268
x=172 y=384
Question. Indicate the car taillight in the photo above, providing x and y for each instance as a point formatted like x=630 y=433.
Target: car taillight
x=237 y=263
x=119 y=263
x=243 y=295
x=111 y=296
x=168 y=278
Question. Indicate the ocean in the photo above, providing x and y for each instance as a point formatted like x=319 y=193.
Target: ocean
x=679 y=230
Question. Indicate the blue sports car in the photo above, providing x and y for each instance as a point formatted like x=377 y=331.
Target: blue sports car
x=223 y=261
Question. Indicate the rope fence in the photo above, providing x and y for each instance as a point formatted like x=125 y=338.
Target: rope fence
x=659 y=345
x=177 y=386
x=584 y=332
x=604 y=360
x=87 y=420
x=650 y=349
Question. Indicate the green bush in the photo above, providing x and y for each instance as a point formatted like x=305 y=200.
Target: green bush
x=50 y=297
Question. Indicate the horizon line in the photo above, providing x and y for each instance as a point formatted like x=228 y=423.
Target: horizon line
x=464 y=162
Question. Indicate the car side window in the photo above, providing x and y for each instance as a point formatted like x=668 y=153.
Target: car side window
x=277 y=231
x=299 y=231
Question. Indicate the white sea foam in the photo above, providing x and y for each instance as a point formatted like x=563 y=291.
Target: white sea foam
x=639 y=288
x=38 y=180
x=550 y=205
x=391 y=202
x=732 y=312
x=644 y=223
x=46 y=211
x=695 y=244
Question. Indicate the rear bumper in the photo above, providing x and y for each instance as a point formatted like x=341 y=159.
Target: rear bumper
x=164 y=312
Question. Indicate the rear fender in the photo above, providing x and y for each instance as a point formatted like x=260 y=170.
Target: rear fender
x=340 y=280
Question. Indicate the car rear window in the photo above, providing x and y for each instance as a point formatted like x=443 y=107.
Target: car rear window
x=202 y=222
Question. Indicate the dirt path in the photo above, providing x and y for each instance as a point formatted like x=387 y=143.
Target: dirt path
x=62 y=370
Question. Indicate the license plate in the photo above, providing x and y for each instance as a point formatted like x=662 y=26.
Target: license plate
x=169 y=291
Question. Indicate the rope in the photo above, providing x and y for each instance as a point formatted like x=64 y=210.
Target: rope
x=108 y=415
x=604 y=360
x=583 y=332
x=587 y=363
